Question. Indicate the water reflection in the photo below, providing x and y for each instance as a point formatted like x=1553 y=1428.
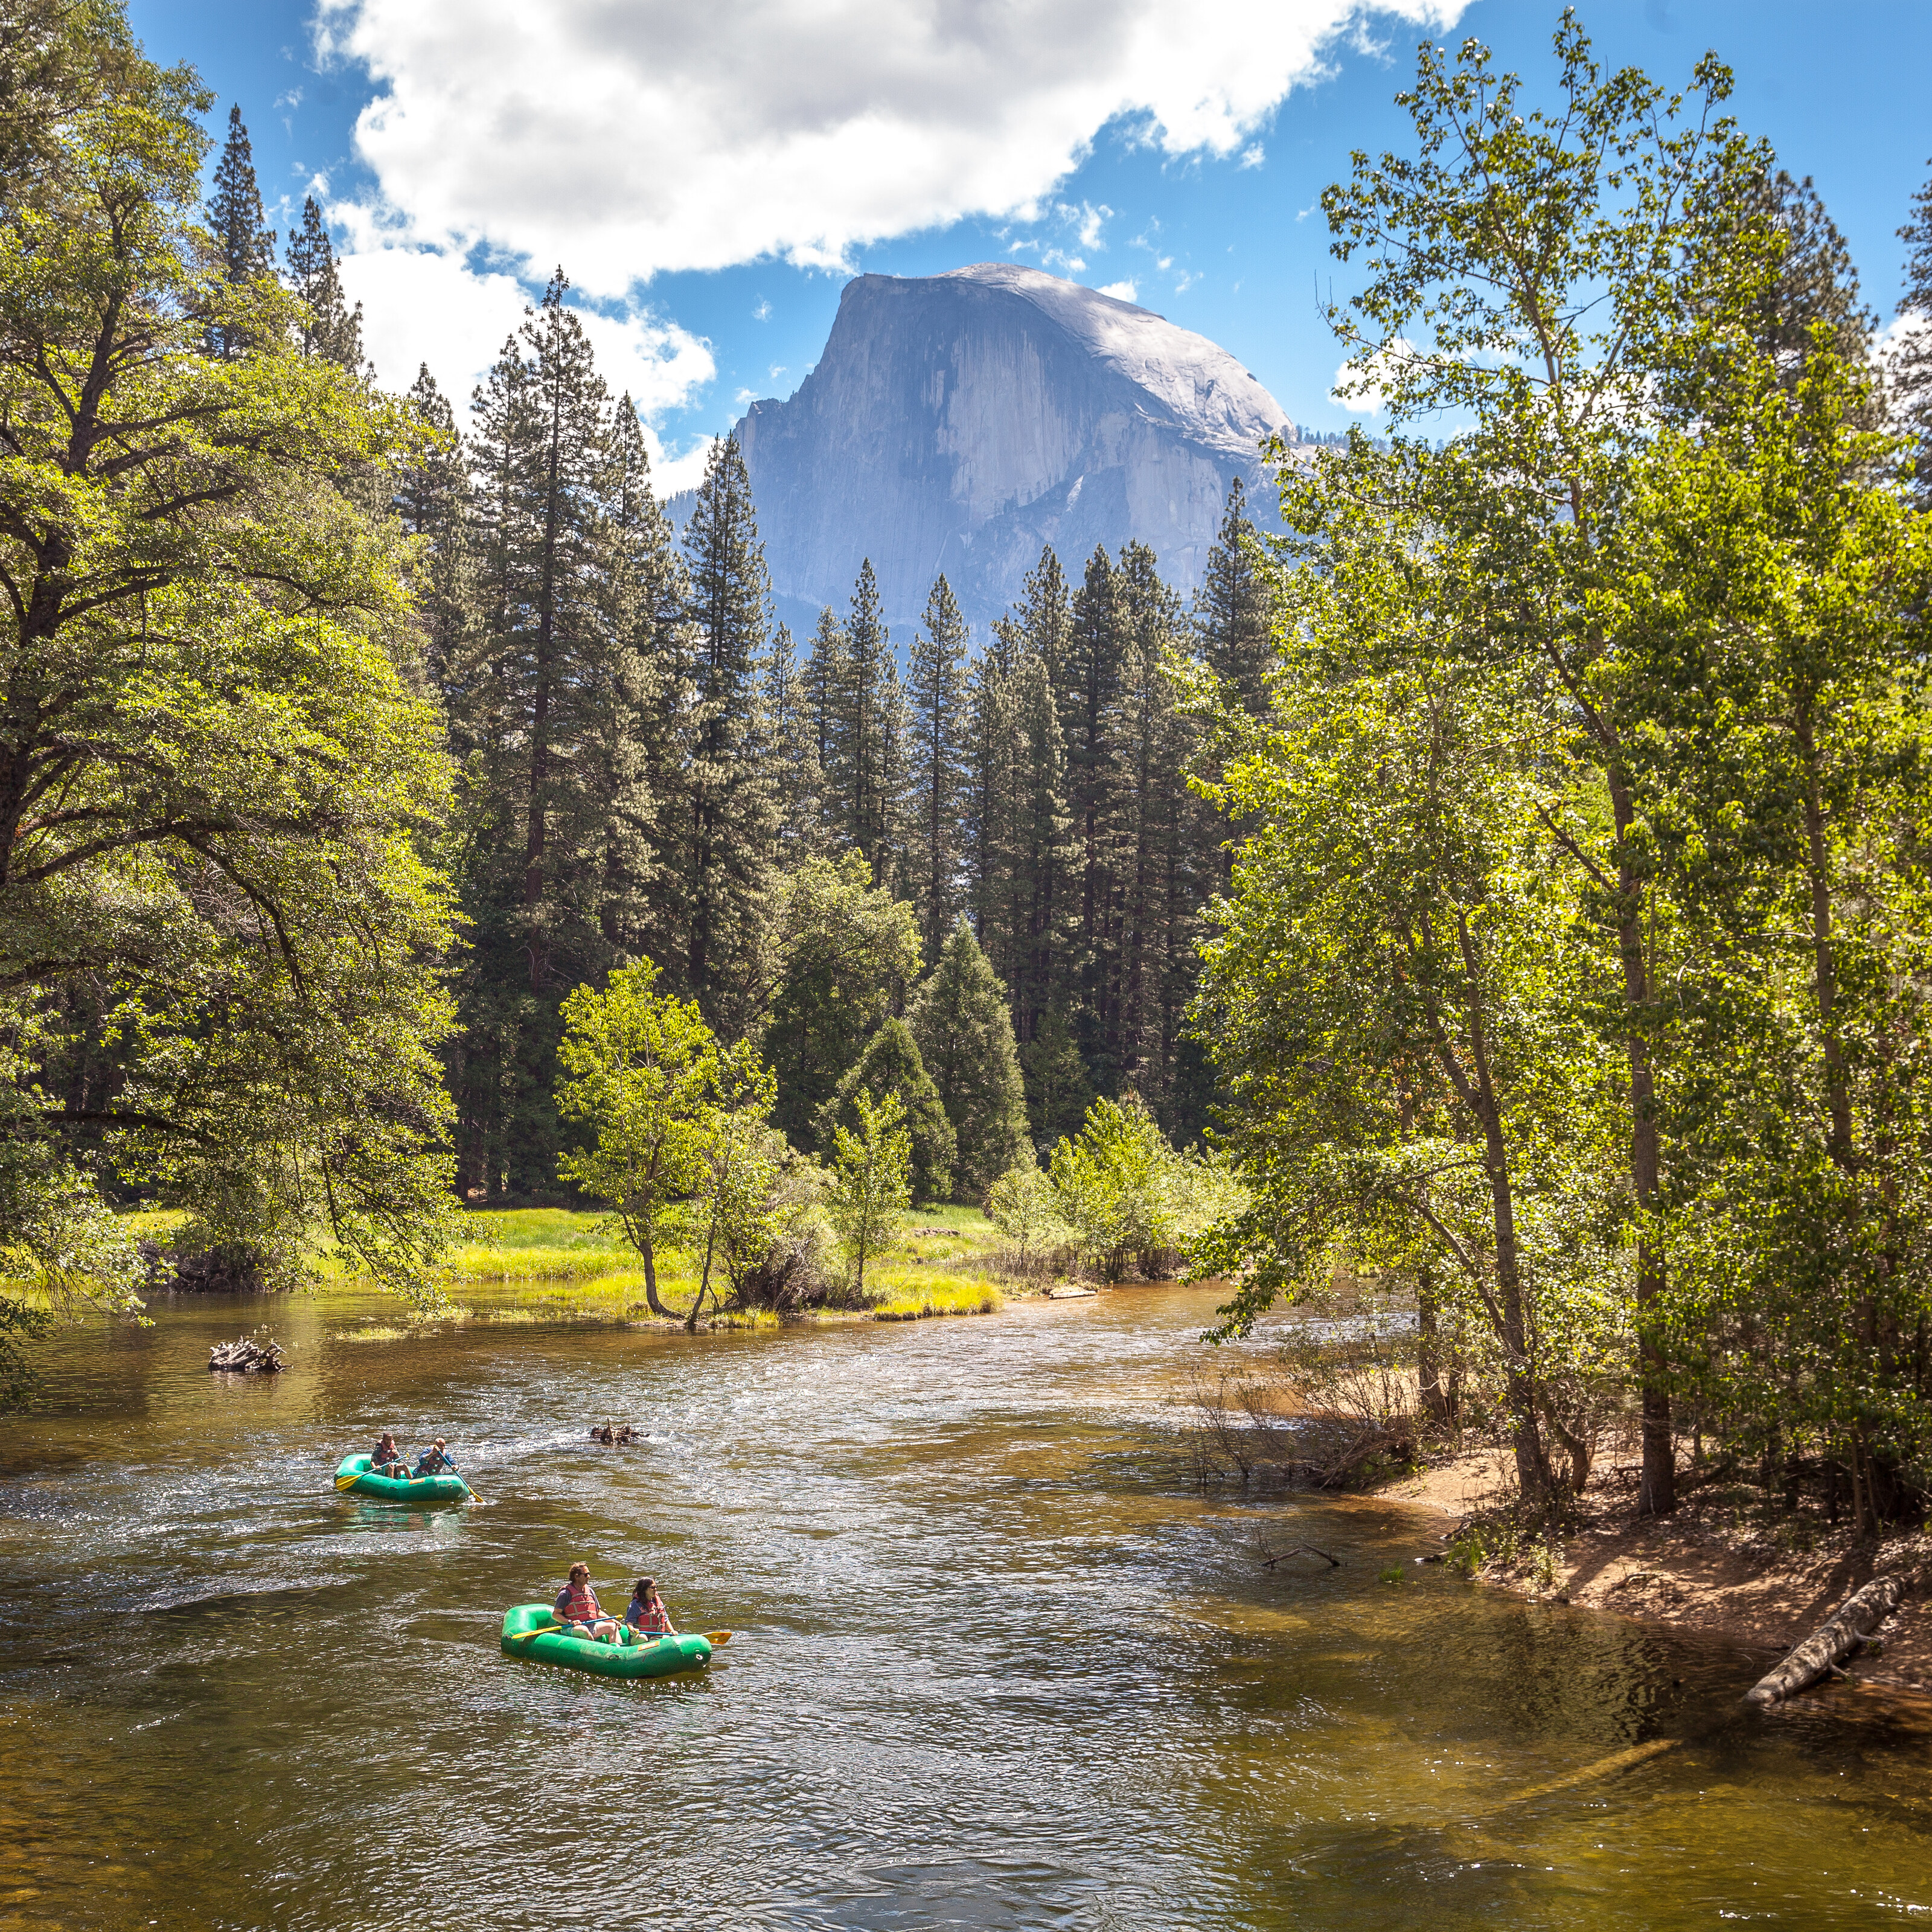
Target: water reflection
x=997 y=1664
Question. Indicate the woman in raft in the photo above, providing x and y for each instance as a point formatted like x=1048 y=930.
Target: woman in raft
x=578 y=1610
x=647 y=1614
x=385 y=1459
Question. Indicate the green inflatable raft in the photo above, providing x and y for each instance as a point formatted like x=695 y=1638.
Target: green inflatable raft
x=631 y=1656
x=355 y=1478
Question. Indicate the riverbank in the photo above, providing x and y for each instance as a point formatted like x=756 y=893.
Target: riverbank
x=1724 y=1564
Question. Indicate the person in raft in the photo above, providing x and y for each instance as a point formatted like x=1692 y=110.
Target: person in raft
x=578 y=1610
x=385 y=1459
x=435 y=1459
x=647 y=1614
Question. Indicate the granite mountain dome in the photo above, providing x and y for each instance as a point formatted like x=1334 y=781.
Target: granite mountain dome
x=959 y=422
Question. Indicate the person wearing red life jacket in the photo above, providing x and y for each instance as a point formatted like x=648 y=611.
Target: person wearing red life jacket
x=646 y=1614
x=578 y=1610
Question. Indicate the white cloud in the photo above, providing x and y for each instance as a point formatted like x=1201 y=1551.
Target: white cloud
x=624 y=141
x=1122 y=291
x=1360 y=387
x=1253 y=156
x=422 y=305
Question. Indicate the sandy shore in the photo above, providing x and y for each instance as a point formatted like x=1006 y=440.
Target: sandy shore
x=1719 y=1564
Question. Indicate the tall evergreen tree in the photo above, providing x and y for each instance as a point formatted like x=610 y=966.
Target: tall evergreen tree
x=429 y=499
x=1088 y=697
x=1910 y=370
x=1231 y=609
x=331 y=328
x=245 y=244
x=729 y=819
x=964 y=1032
x=1045 y=618
x=791 y=747
x=891 y=1064
x=559 y=707
x=634 y=756
x=941 y=741
x=824 y=679
x=871 y=764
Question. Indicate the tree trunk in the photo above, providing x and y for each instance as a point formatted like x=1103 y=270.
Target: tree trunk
x=1832 y=1642
x=658 y=1308
x=1436 y=1402
x=1656 y=1490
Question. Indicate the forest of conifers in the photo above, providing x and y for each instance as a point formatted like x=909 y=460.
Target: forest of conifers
x=1518 y=870
x=646 y=760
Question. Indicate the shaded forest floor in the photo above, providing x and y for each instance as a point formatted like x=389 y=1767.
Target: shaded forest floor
x=1728 y=1562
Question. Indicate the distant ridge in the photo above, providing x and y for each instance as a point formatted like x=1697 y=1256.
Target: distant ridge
x=956 y=423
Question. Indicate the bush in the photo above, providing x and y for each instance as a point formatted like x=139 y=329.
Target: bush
x=1131 y=1199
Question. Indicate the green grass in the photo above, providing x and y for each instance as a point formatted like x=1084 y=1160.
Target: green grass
x=912 y=1292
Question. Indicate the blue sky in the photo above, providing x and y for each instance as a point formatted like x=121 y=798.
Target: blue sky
x=515 y=150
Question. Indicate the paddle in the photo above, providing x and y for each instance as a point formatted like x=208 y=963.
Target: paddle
x=716 y=1639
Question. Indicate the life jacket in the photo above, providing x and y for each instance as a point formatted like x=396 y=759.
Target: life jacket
x=580 y=1606
x=653 y=1618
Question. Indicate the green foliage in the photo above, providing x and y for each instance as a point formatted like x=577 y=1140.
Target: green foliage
x=871 y=1187
x=891 y=1064
x=844 y=952
x=1130 y=1198
x=645 y=1075
x=1025 y=1209
x=217 y=929
x=964 y=1032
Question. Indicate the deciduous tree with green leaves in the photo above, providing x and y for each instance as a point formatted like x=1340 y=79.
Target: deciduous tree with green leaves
x=646 y=1077
x=871 y=1186
x=218 y=937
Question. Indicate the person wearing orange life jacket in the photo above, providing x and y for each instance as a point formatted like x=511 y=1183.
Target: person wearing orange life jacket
x=578 y=1610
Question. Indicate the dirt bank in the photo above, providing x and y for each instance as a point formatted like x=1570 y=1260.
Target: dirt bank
x=1724 y=1563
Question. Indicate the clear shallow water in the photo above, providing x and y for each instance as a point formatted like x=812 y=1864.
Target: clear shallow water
x=997 y=1664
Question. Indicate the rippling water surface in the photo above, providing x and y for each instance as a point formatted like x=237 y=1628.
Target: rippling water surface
x=996 y=1664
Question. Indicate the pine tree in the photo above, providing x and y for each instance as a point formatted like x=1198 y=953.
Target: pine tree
x=1041 y=866
x=791 y=750
x=824 y=678
x=939 y=738
x=730 y=818
x=637 y=768
x=1088 y=696
x=961 y=1022
x=1910 y=370
x=331 y=330
x=891 y=1065
x=1231 y=609
x=1045 y=618
x=429 y=499
x=245 y=244
x=872 y=763
x=558 y=707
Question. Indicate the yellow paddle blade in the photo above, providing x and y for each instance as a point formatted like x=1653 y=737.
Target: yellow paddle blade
x=517 y=1636
x=717 y=1638
x=347 y=1482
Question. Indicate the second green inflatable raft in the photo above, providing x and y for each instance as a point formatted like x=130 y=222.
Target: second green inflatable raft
x=398 y=1488
x=634 y=1657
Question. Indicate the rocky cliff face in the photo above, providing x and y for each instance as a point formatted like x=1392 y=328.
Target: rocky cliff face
x=959 y=422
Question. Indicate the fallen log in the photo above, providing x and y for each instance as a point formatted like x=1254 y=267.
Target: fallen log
x=1832 y=1642
x=247 y=1357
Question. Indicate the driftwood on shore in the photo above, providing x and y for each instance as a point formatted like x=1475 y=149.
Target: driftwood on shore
x=247 y=1357
x=1832 y=1642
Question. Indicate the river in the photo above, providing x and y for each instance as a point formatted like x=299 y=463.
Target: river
x=996 y=1664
